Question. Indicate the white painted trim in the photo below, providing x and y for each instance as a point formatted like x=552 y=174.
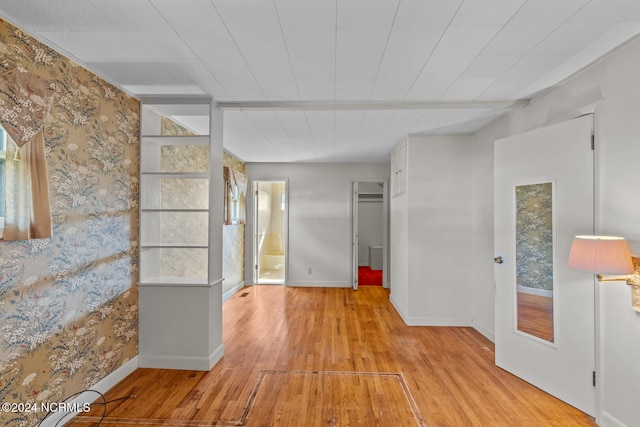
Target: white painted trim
x=439 y=321
x=314 y=284
x=431 y=321
x=102 y=386
x=397 y=307
x=182 y=362
x=231 y=292
x=483 y=329
x=608 y=420
x=534 y=291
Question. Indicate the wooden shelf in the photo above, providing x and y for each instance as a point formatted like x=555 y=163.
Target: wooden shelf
x=174 y=281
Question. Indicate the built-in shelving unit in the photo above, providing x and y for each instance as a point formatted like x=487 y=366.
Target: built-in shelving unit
x=180 y=287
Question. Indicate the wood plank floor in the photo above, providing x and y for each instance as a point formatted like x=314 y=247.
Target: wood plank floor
x=535 y=315
x=359 y=340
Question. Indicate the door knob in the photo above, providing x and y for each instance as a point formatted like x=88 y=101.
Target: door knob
x=498 y=260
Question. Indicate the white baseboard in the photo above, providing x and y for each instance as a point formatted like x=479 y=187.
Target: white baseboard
x=488 y=333
x=311 y=284
x=429 y=320
x=402 y=315
x=182 y=362
x=608 y=420
x=231 y=292
x=438 y=321
x=84 y=399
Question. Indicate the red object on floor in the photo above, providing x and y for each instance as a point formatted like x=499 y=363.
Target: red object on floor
x=369 y=277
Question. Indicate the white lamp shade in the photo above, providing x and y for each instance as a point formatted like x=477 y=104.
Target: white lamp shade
x=601 y=255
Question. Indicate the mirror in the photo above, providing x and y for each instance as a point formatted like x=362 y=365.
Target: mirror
x=534 y=260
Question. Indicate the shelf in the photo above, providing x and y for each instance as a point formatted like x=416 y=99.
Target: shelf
x=174 y=281
x=173 y=246
x=175 y=230
x=185 y=210
x=178 y=175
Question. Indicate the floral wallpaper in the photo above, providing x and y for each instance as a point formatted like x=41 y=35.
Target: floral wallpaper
x=233 y=241
x=69 y=304
x=534 y=236
x=635 y=290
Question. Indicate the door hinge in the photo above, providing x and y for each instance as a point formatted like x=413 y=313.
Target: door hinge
x=593 y=142
x=256 y=267
x=594 y=378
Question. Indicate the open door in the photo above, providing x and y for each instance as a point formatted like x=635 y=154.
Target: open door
x=369 y=233
x=354 y=235
x=544 y=311
x=270 y=232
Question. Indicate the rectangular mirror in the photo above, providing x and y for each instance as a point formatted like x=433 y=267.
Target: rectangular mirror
x=534 y=260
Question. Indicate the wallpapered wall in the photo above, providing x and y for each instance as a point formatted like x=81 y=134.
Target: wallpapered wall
x=233 y=241
x=68 y=305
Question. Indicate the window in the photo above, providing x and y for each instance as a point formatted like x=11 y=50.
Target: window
x=234 y=198
x=235 y=205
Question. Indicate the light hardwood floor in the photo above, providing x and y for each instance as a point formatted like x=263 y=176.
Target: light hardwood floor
x=335 y=357
x=535 y=315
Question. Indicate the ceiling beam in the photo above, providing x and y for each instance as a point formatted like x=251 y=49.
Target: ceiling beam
x=365 y=105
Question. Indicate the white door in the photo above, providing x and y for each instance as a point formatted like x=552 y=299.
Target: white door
x=544 y=312
x=354 y=236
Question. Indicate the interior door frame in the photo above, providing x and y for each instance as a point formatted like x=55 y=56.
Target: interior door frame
x=254 y=236
x=354 y=230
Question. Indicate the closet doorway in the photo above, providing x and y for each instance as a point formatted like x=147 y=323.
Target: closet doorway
x=271 y=232
x=369 y=226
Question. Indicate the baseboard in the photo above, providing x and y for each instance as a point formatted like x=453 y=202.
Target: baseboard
x=231 y=292
x=438 y=321
x=184 y=363
x=488 y=333
x=429 y=320
x=216 y=356
x=83 y=400
x=400 y=312
x=608 y=420
x=312 y=284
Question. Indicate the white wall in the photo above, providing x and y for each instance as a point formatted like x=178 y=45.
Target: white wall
x=319 y=218
x=399 y=253
x=611 y=88
x=439 y=217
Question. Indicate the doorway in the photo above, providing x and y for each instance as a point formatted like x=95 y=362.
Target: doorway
x=369 y=233
x=271 y=232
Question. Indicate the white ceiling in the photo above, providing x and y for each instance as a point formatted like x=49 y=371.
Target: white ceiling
x=339 y=80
